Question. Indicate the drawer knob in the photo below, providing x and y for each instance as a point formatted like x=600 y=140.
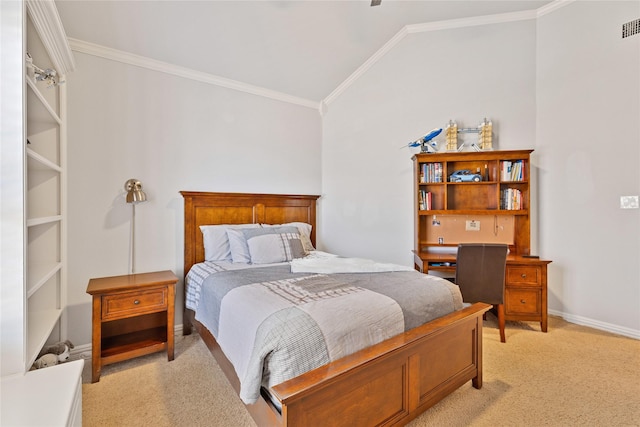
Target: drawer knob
x=136 y=302
x=523 y=301
x=524 y=276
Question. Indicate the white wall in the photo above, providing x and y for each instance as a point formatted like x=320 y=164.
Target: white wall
x=464 y=74
x=565 y=84
x=588 y=120
x=172 y=134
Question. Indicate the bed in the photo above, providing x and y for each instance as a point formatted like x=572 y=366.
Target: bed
x=389 y=383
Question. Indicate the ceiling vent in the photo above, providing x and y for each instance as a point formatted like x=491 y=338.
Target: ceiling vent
x=631 y=28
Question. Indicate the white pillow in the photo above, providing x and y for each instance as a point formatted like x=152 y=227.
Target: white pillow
x=238 y=246
x=305 y=233
x=216 y=241
x=273 y=244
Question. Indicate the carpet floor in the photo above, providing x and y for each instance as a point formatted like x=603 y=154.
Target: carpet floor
x=570 y=376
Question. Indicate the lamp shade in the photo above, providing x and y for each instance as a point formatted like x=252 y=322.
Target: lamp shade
x=134 y=191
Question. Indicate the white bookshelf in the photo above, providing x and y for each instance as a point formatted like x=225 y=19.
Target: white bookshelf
x=45 y=182
x=34 y=219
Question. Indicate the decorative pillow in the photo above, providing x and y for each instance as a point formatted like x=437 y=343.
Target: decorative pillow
x=273 y=244
x=216 y=241
x=305 y=233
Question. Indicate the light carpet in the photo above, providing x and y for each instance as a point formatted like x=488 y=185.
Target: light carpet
x=570 y=376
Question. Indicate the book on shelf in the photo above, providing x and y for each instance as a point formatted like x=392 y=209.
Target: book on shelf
x=511 y=199
x=512 y=170
x=424 y=200
x=430 y=172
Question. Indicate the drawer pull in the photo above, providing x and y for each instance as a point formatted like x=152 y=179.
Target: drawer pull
x=523 y=301
x=136 y=302
x=523 y=275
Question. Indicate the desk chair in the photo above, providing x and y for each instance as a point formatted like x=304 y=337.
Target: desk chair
x=480 y=274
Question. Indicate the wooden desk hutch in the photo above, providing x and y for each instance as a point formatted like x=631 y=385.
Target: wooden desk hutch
x=491 y=205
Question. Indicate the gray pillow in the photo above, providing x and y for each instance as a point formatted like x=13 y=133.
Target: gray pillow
x=273 y=244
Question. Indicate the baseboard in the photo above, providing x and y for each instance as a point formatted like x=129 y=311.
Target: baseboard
x=596 y=324
x=83 y=351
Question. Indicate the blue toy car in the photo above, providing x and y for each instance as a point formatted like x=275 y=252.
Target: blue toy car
x=465 y=175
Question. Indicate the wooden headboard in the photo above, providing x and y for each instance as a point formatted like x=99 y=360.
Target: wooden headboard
x=201 y=208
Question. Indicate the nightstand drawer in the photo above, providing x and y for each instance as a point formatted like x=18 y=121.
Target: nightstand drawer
x=522 y=302
x=524 y=275
x=120 y=306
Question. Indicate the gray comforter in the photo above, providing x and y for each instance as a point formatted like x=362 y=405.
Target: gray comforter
x=274 y=325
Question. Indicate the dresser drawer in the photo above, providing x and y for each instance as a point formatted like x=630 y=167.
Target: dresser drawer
x=523 y=275
x=123 y=305
x=522 y=302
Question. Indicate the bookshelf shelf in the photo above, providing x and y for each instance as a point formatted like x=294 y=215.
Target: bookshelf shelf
x=500 y=201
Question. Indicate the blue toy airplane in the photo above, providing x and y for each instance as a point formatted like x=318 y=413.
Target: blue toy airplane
x=425 y=143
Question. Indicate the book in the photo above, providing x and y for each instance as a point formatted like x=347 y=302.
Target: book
x=424 y=200
x=511 y=199
x=430 y=172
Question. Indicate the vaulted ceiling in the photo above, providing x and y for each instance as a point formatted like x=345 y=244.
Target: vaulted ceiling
x=304 y=49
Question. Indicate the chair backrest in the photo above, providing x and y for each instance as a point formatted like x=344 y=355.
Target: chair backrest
x=480 y=272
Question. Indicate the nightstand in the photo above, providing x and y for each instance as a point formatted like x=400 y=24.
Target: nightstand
x=133 y=315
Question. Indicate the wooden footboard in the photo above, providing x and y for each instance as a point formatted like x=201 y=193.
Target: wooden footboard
x=390 y=383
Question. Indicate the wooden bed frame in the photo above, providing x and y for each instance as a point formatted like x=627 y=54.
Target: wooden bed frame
x=390 y=383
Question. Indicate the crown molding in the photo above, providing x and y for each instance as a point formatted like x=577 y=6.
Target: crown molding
x=187 y=73
x=47 y=23
x=422 y=28
x=472 y=22
x=553 y=6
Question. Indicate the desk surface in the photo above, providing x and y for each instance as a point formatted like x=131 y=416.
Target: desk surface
x=451 y=256
x=425 y=260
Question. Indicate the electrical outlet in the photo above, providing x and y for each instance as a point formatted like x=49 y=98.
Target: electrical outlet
x=629 y=202
x=472 y=225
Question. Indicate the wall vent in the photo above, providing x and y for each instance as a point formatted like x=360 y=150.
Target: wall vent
x=631 y=28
